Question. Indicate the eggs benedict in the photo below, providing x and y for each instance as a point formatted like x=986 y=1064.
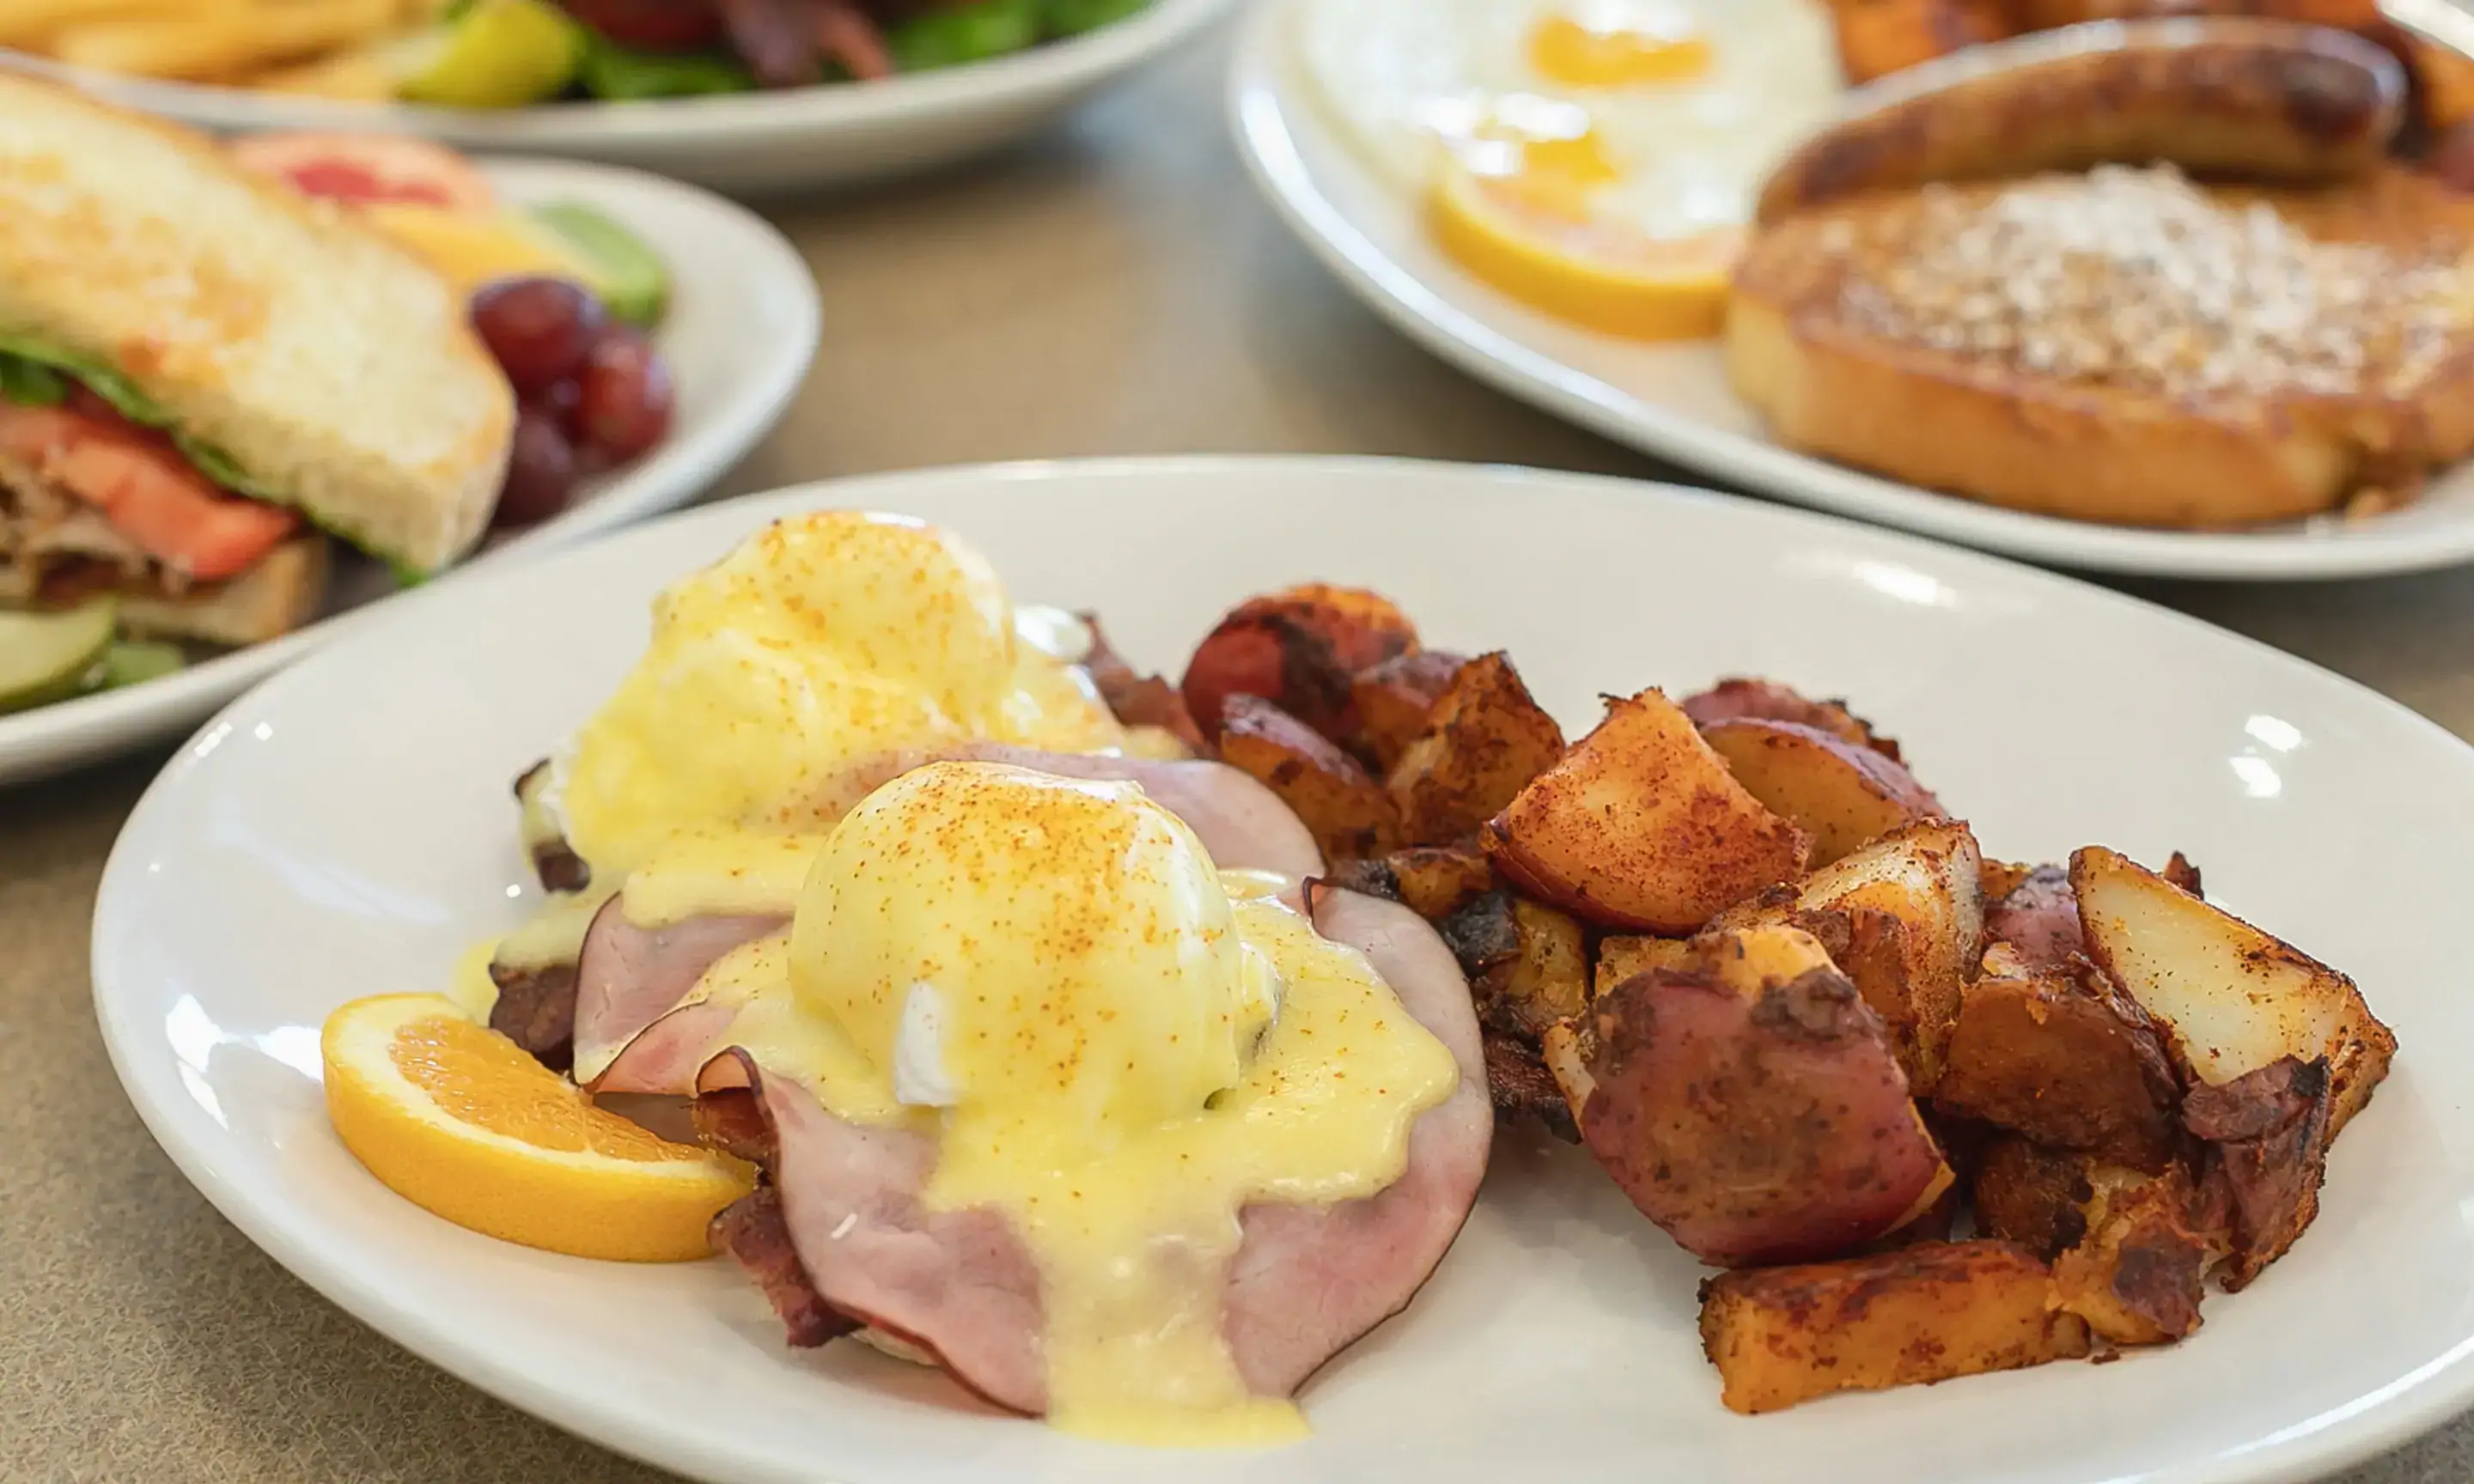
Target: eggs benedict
x=1114 y=1136
x=705 y=783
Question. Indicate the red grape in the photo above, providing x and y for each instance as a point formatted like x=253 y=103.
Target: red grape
x=541 y=472
x=626 y=395
x=651 y=25
x=540 y=330
x=557 y=402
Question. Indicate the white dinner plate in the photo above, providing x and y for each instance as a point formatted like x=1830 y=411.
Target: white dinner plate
x=347 y=829
x=830 y=134
x=1672 y=400
x=740 y=330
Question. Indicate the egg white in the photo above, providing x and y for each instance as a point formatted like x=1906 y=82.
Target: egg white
x=1400 y=76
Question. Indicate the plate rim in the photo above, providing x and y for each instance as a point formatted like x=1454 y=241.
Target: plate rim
x=2424 y=1400
x=90 y=730
x=670 y=123
x=1262 y=102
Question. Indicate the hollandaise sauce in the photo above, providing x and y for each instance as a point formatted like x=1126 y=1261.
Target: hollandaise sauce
x=1115 y=1045
x=821 y=640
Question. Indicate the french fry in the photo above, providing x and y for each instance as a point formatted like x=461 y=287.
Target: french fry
x=207 y=41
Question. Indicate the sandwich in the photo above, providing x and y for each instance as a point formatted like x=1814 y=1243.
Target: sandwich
x=206 y=378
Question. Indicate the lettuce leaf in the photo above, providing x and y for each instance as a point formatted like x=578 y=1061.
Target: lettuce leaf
x=34 y=373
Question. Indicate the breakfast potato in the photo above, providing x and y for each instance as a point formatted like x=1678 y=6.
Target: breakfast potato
x=1640 y=826
x=1998 y=878
x=1432 y=880
x=1546 y=980
x=554 y=861
x=2232 y=999
x=1877 y=37
x=1920 y=1314
x=1842 y=794
x=1521 y=1087
x=1902 y=918
x=2038 y=917
x=2064 y=1058
x=1483 y=933
x=1133 y=698
x=1347 y=812
x=2138 y=1273
x=1741 y=698
x=1484 y=740
x=2037 y=1197
x=1752 y=1106
x=2268 y=1134
x=1622 y=955
x=1301 y=649
x=1392 y=700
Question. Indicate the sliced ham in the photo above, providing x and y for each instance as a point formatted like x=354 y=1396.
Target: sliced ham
x=635 y=1031
x=960 y=1287
x=629 y=977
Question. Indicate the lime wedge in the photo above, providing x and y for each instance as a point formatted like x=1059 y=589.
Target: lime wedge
x=630 y=278
x=497 y=53
x=44 y=656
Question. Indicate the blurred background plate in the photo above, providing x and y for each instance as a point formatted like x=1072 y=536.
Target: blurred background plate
x=1673 y=400
x=832 y=134
x=739 y=334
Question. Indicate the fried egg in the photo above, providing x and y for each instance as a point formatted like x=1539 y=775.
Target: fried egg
x=1668 y=112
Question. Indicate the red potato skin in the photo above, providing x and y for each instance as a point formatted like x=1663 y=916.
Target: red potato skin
x=1301 y=649
x=1741 y=699
x=1762 y=1130
x=2039 y=918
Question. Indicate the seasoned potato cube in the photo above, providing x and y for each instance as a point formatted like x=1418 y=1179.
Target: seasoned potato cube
x=1751 y=1107
x=1483 y=741
x=2138 y=1275
x=2233 y=999
x=1640 y=826
x=1919 y=1314
x=1902 y=917
x=1521 y=1087
x=2268 y=1134
x=1437 y=880
x=1392 y=700
x=2065 y=1058
x=1840 y=793
x=1738 y=698
x=1621 y=955
x=1300 y=649
x=2038 y=917
x=1348 y=811
x=1546 y=982
x=2037 y=1197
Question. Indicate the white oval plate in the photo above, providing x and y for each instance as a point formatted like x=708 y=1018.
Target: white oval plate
x=834 y=134
x=740 y=330
x=1673 y=400
x=347 y=829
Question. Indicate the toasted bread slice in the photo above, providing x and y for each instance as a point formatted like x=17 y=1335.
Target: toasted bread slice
x=1859 y=337
x=332 y=369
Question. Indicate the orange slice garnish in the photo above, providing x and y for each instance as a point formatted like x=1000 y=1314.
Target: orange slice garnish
x=457 y=1119
x=1533 y=235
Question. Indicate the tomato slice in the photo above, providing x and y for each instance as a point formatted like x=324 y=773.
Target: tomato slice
x=147 y=490
x=365 y=168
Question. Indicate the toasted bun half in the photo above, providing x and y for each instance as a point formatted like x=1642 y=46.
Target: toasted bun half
x=333 y=368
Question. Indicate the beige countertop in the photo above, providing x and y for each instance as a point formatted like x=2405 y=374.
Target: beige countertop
x=1115 y=289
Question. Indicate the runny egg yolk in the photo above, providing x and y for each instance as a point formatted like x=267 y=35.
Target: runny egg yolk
x=821 y=640
x=1117 y=1048
x=1620 y=43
